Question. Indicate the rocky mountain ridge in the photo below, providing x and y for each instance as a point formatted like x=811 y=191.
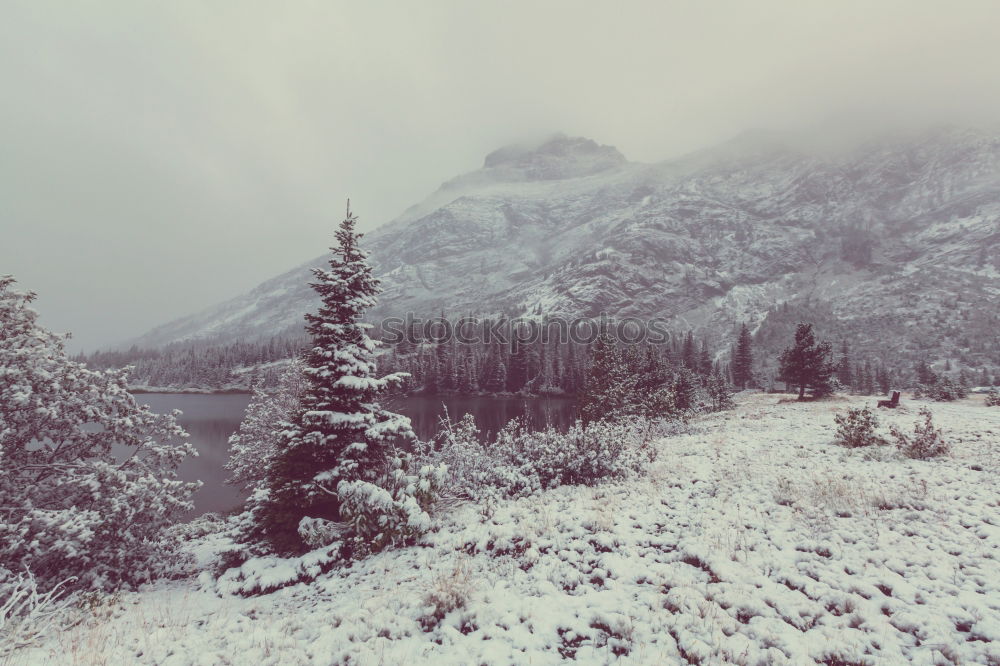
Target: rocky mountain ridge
x=892 y=240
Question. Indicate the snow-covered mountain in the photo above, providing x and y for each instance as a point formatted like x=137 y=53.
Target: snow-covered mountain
x=888 y=236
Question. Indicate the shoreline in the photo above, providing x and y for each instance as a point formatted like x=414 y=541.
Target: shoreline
x=140 y=390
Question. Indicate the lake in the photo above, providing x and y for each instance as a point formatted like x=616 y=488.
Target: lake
x=211 y=419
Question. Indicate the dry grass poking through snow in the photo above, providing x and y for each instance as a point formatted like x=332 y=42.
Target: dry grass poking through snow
x=754 y=540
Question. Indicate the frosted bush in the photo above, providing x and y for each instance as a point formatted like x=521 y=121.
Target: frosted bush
x=394 y=511
x=992 y=398
x=926 y=441
x=319 y=532
x=27 y=613
x=457 y=447
x=264 y=574
x=520 y=461
x=254 y=446
x=448 y=592
x=857 y=427
x=88 y=480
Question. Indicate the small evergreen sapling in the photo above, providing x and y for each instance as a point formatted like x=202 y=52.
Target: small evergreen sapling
x=926 y=442
x=858 y=427
x=992 y=398
x=718 y=392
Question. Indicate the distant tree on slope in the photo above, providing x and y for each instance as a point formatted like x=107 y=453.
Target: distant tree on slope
x=607 y=391
x=71 y=506
x=806 y=364
x=845 y=374
x=718 y=391
x=742 y=366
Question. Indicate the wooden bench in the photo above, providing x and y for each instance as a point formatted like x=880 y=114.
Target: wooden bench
x=894 y=402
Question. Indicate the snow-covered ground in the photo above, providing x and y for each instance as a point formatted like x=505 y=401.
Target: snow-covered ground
x=753 y=540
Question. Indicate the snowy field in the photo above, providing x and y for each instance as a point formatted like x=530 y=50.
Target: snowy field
x=753 y=540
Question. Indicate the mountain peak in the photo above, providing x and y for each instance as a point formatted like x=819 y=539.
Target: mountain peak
x=557 y=157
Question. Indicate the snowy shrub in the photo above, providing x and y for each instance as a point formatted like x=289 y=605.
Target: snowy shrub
x=27 y=613
x=857 y=427
x=458 y=447
x=520 y=461
x=393 y=511
x=253 y=447
x=88 y=481
x=260 y=575
x=319 y=532
x=992 y=398
x=448 y=592
x=926 y=442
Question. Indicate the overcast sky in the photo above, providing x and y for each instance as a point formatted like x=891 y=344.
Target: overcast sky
x=157 y=158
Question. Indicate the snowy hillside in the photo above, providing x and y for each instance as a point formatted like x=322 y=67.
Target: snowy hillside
x=753 y=540
x=888 y=234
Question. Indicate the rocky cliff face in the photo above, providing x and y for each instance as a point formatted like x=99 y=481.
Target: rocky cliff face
x=893 y=239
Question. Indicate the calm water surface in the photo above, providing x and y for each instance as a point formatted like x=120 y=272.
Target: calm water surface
x=211 y=419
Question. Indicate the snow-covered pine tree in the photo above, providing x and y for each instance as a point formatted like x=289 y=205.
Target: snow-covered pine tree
x=742 y=366
x=690 y=353
x=430 y=369
x=88 y=479
x=253 y=447
x=685 y=389
x=517 y=371
x=494 y=371
x=339 y=434
x=806 y=364
x=867 y=379
x=704 y=360
x=444 y=355
x=498 y=382
x=925 y=375
x=718 y=391
x=844 y=374
x=609 y=386
x=883 y=379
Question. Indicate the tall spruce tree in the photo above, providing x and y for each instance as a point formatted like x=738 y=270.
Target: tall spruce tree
x=742 y=366
x=806 y=364
x=340 y=432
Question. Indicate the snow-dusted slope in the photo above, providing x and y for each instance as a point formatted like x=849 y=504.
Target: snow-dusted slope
x=571 y=227
x=753 y=540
